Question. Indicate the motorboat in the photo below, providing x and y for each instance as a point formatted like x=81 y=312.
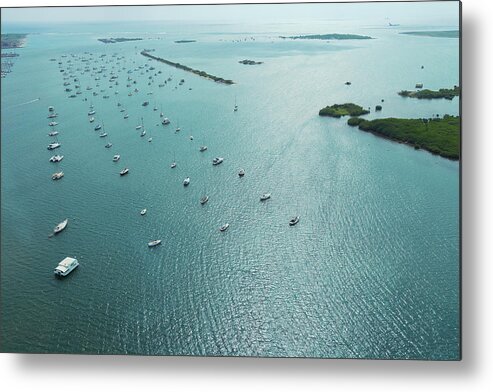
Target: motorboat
x=54 y=133
x=165 y=121
x=224 y=227
x=217 y=161
x=204 y=199
x=58 y=228
x=51 y=108
x=149 y=140
x=186 y=181
x=265 y=196
x=153 y=243
x=124 y=171
x=125 y=116
x=143 y=212
x=98 y=127
x=52 y=123
x=52 y=115
x=66 y=266
x=116 y=158
x=57 y=176
x=138 y=127
x=241 y=173
x=202 y=148
x=91 y=119
x=104 y=134
x=143 y=133
x=56 y=158
x=91 y=113
x=294 y=220
x=53 y=145
x=173 y=165
x=108 y=145
x=145 y=103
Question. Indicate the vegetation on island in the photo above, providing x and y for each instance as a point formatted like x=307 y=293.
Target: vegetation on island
x=447 y=93
x=438 y=34
x=188 y=69
x=185 y=41
x=116 y=40
x=329 y=36
x=346 y=109
x=440 y=136
x=13 y=41
x=250 y=62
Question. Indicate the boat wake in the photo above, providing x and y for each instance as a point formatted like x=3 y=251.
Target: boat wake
x=25 y=103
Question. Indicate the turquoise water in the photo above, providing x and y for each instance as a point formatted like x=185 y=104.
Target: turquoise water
x=370 y=271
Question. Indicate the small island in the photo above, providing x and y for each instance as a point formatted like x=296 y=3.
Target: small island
x=440 y=136
x=116 y=40
x=447 y=93
x=187 y=69
x=329 y=36
x=185 y=41
x=13 y=41
x=437 y=34
x=250 y=62
x=346 y=109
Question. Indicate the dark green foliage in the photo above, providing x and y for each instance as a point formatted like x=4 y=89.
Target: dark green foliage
x=346 y=109
x=116 y=40
x=440 y=136
x=355 y=121
x=11 y=41
x=188 y=69
x=447 y=93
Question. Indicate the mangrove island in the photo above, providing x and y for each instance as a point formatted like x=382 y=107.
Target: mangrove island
x=116 y=40
x=250 y=62
x=440 y=136
x=329 y=36
x=346 y=109
x=13 y=41
x=188 y=69
x=437 y=34
x=447 y=93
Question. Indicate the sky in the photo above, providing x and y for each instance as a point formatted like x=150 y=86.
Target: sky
x=434 y=12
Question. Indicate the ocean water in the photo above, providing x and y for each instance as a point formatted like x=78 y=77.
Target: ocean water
x=370 y=271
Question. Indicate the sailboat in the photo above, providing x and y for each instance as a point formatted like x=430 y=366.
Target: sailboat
x=173 y=165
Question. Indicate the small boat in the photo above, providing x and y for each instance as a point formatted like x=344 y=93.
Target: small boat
x=51 y=108
x=91 y=119
x=145 y=103
x=149 y=140
x=173 y=165
x=138 y=127
x=57 y=176
x=66 y=266
x=143 y=212
x=58 y=228
x=241 y=173
x=236 y=106
x=52 y=124
x=98 y=127
x=165 y=121
x=91 y=113
x=217 y=161
x=143 y=133
x=108 y=145
x=294 y=220
x=54 y=133
x=191 y=137
x=204 y=199
x=56 y=158
x=265 y=196
x=224 y=227
x=104 y=134
x=186 y=181
x=116 y=158
x=153 y=243
x=202 y=148
x=54 y=145
x=52 y=115
x=125 y=116
x=123 y=172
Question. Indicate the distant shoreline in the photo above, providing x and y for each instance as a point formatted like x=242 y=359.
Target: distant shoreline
x=117 y=40
x=335 y=36
x=188 y=69
x=436 y=34
x=13 y=41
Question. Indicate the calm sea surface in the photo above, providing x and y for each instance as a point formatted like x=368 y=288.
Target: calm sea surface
x=372 y=268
